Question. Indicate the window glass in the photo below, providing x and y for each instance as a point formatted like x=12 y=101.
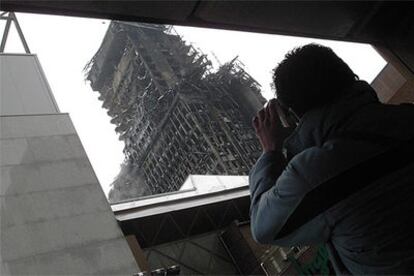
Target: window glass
x=163 y=103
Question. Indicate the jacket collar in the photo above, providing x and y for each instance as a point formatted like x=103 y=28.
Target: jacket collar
x=318 y=125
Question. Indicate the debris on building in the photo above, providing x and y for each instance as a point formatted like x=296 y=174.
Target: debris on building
x=175 y=115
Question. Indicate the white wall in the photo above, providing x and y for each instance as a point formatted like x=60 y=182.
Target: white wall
x=23 y=86
x=54 y=216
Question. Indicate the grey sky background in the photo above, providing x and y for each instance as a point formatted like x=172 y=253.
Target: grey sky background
x=64 y=45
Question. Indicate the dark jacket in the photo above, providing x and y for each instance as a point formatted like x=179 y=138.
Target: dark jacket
x=373 y=229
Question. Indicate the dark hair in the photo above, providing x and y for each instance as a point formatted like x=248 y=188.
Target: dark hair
x=311 y=76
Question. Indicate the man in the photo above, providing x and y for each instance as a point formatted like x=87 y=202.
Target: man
x=346 y=175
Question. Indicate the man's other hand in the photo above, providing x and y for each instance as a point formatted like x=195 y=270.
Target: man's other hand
x=268 y=127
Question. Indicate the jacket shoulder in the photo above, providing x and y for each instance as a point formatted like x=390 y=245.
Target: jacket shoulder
x=318 y=164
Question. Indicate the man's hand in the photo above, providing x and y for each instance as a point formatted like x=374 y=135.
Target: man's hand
x=268 y=127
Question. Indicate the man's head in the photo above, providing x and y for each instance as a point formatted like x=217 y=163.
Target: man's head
x=311 y=76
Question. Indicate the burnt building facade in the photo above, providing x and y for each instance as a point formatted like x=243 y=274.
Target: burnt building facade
x=175 y=115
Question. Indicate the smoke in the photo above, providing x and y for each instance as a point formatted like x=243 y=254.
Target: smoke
x=128 y=184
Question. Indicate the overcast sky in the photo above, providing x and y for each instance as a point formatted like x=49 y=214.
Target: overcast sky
x=65 y=44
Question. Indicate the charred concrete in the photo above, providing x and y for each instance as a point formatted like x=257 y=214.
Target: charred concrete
x=176 y=116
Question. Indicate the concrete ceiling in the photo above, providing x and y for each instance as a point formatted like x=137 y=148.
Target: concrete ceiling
x=354 y=20
x=385 y=23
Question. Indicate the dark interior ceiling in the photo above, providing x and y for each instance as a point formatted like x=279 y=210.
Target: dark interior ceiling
x=384 y=23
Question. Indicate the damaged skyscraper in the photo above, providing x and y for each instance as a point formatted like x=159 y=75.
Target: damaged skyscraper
x=174 y=114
